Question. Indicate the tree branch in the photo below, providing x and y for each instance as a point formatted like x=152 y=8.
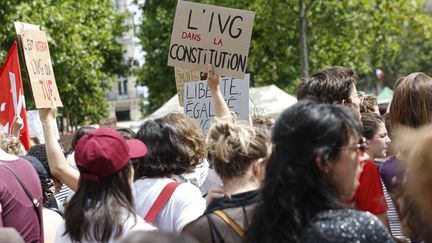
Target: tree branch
x=308 y=5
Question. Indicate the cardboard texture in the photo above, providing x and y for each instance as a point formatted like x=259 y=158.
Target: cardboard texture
x=198 y=103
x=20 y=26
x=39 y=68
x=110 y=122
x=205 y=34
x=183 y=76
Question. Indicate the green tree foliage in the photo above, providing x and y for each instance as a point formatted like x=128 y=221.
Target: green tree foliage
x=155 y=36
x=86 y=57
x=357 y=34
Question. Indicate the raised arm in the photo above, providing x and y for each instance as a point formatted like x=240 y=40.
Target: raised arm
x=16 y=126
x=221 y=108
x=58 y=164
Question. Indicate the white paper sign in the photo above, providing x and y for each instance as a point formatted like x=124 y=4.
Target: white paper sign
x=198 y=100
x=35 y=125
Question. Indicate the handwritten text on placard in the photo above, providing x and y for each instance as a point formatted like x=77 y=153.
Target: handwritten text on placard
x=39 y=67
x=205 y=34
x=198 y=100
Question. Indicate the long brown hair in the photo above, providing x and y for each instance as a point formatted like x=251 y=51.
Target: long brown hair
x=96 y=210
x=412 y=101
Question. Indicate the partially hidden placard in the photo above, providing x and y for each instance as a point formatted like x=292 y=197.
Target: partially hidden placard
x=39 y=68
x=205 y=34
x=183 y=76
x=198 y=100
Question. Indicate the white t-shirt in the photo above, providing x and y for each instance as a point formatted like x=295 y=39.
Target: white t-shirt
x=185 y=205
x=129 y=225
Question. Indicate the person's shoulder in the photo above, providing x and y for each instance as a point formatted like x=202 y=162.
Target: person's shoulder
x=347 y=225
x=198 y=227
x=188 y=194
x=197 y=224
x=60 y=236
x=140 y=224
x=369 y=168
x=186 y=189
x=345 y=215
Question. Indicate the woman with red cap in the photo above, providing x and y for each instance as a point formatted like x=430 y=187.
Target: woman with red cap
x=103 y=203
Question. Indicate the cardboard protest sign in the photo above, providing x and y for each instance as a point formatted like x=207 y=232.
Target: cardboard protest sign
x=39 y=68
x=183 y=76
x=205 y=34
x=110 y=122
x=20 y=26
x=198 y=100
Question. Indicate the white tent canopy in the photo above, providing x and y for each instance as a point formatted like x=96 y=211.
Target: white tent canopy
x=268 y=101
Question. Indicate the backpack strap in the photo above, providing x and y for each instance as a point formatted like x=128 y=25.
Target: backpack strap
x=234 y=226
x=214 y=232
x=36 y=204
x=161 y=200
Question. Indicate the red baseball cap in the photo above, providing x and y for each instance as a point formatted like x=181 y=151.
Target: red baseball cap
x=104 y=152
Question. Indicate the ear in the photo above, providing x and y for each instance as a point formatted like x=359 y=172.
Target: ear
x=322 y=162
x=344 y=102
x=258 y=168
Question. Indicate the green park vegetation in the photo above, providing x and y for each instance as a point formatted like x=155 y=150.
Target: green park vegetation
x=291 y=39
x=82 y=41
x=393 y=35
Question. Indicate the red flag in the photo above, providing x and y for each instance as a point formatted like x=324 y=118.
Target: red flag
x=12 y=102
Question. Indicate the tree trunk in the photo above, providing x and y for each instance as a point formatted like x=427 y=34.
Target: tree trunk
x=304 y=61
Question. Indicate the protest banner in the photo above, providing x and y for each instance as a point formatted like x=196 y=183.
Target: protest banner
x=39 y=68
x=205 y=34
x=12 y=101
x=198 y=100
x=183 y=76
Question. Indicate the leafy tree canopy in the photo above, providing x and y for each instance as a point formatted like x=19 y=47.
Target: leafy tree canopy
x=85 y=54
x=359 y=34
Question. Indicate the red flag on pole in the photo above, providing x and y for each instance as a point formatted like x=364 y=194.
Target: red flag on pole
x=12 y=102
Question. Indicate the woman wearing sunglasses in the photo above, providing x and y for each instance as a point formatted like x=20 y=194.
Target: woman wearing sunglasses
x=313 y=168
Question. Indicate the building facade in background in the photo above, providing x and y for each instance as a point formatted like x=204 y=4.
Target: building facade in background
x=125 y=97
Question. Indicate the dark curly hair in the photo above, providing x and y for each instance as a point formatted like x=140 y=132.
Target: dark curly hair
x=39 y=152
x=331 y=85
x=295 y=189
x=167 y=151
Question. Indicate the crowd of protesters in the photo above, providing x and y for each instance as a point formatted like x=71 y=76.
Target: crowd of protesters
x=331 y=168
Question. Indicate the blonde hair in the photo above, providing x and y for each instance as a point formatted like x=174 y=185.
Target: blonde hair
x=233 y=147
x=12 y=145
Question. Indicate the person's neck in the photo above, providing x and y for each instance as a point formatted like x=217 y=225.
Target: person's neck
x=371 y=157
x=7 y=157
x=239 y=185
